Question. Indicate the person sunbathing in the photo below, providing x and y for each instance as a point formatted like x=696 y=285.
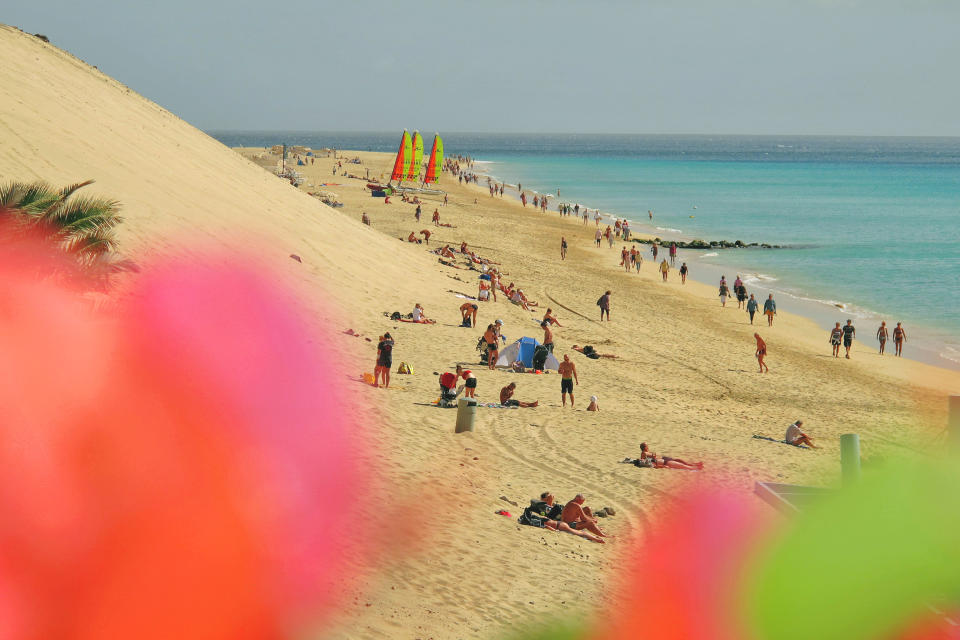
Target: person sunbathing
x=590 y=353
x=666 y=462
x=546 y=510
x=579 y=517
x=518 y=298
x=506 y=397
x=463 y=247
x=548 y=316
x=447 y=253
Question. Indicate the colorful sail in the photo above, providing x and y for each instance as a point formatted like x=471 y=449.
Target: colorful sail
x=413 y=172
x=402 y=164
x=435 y=164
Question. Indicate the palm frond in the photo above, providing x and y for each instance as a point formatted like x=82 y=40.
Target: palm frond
x=28 y=199
x=82 y=216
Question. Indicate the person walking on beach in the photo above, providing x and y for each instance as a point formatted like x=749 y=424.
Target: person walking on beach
x=899 y=337
x=761 y=353
x=436 y=217
x=604 y=304
x=769 y=309
x=752 y=307
x=597 y=236
x=416 y=214
x=625 y=259
x=654 y=249
x=849 y=333
x=563 y=248
x=724 y=292
x=836 y=336
x=882 y=336
x=664 y=269
x=673 y=254
x=683 y=273
x=568 y=375
x=608 y=234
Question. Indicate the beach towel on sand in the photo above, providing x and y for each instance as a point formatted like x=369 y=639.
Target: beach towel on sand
x=798 y=446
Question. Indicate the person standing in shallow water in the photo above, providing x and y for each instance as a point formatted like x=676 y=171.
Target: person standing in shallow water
x=683 y=273
x=882 y=336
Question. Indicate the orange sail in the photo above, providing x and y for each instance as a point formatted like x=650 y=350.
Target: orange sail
x=402 y=164
x=435 y=164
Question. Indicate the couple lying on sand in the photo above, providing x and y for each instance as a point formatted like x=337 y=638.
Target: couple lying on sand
x=651 y=460
x=572 y=518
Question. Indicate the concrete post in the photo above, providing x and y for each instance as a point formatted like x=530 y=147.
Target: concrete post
x=850 y=458
x=466 y=414
x=953 y=423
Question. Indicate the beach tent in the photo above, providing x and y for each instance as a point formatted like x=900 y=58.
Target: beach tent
x=522 y=350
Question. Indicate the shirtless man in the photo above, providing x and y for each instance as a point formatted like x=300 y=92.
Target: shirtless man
x=426 y=235
x=506 y=397
x=899 y=337
x=468 y=311
x=436 y=217
x=579 y=517
x=552 y=319
x=493 y=350
x=761 y=353
x=545 y=506
x=547 y=335
x=568 y=375
x=563 y=248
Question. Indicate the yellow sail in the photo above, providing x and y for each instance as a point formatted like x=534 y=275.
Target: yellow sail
x=413 y=172
x=435 y=164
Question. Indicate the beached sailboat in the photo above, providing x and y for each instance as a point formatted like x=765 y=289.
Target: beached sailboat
x=435 y=163
x=408 y=164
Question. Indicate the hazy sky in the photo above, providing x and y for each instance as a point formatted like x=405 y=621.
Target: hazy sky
x=870 y=67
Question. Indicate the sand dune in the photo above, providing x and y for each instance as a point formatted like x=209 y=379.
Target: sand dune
x=686 y=381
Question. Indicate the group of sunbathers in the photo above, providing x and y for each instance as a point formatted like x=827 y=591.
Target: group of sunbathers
x=573 y=517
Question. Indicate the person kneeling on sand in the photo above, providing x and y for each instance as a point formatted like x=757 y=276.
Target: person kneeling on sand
x=579 y=517
x=506 y=397
x=797 y=437
x=593 y=406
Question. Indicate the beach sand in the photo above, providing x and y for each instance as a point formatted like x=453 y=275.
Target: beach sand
x=686 y=381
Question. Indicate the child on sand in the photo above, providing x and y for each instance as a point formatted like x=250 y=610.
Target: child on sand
x=593 y=406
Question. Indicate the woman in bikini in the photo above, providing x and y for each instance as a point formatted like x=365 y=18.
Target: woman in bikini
x=667 y=462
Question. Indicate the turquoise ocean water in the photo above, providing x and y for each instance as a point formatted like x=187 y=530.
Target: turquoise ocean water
x=869 y=223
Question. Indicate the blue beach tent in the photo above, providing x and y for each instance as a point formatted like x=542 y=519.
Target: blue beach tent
x=522 y=350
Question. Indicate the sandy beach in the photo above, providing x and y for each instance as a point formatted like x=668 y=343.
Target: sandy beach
x=685 y=380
